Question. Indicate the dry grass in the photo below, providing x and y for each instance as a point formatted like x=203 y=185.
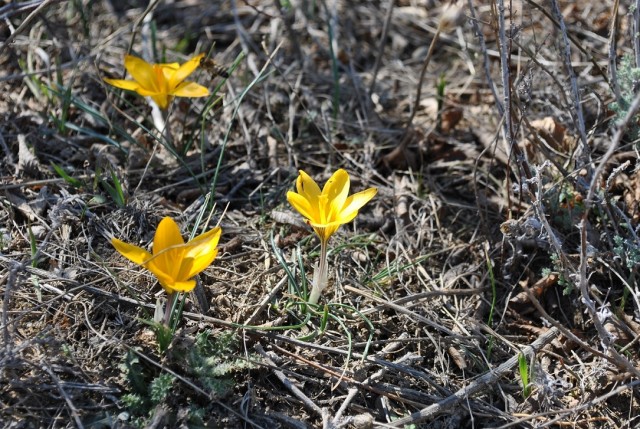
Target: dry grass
x=490 y=238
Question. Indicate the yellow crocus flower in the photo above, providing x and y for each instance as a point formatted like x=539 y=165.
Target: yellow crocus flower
x=161 y=82
x=326 y=210
x=173 y=261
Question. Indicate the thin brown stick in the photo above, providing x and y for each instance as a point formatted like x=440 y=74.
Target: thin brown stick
x=582 y=151
x=513 y=150
x=403 y=310
x=10 y=278
x=423 y=71
x=265 y=301
x=485 y=57
x=383 y=38
x=613 y=69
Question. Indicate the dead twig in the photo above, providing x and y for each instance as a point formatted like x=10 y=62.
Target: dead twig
x=265 y=301
x=308 y=403
x=562 y=414
x=582 y=151
x=479 y=384
x=27 y=22
x=389 y=348
x=613 y=68
x=583 y=279
x=383 y=38
x=403 y=310
x=72 y=408
x=423 y=71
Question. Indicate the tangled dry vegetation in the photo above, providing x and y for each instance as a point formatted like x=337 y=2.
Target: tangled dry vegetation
x=491 y=283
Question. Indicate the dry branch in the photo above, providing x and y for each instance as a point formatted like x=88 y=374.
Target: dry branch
x=483 y=382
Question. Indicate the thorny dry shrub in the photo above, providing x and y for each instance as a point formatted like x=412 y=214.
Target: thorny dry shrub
x=490 y=238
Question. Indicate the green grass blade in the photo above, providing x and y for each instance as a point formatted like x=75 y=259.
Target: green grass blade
x=63 y=174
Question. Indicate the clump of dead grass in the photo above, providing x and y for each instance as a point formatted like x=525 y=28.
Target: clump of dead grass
x=506 y=222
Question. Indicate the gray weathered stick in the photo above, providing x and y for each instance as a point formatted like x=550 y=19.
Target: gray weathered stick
x=288 y=384
x=478 y=385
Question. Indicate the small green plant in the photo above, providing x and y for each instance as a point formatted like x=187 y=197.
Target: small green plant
x=214 y=359
x=66 y=100
x=32 y=81
x=565 y=207
x=567 y=286
x=494 y=294
x=313 y=319
x=34 y=263
x=66 y=177
x=164 y=333
x=627 y=251
x=134 y=403
x=160 y=387
x=114 y=189
x=523 y=369
x=148 y=388
x=134 y=372
x=209 y=361
x=628 y=84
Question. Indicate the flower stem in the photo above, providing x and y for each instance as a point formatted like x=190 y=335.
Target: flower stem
x=168 y=310
x=320 y=276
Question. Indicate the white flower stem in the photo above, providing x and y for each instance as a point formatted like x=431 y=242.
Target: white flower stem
x=168 y=310
x=320 y=275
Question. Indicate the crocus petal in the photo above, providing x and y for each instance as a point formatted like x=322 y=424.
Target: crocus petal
x=133 y=253
x=355 y=203
x=185 y=70
x=162 y=99
x=190 y=89
x=303 y=206
x=201 y=251
x=123 y=84
x=163 y=277
x=142 y=72
x=204 y=243
x=174 y=286
x=307 y=187
x=183 y=286
x=336 y=190
x=198 y=265
x=162 y=83
x=148 y=92
x=169 y=68
x=167 y=235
